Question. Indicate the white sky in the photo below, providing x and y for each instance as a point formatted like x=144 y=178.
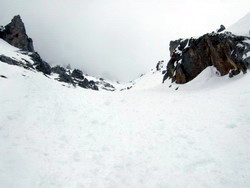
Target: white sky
x=117 y=39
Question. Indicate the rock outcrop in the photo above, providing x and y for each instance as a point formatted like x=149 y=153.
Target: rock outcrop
x=189 y=57
x=88 y=84
x=58 y=69
x=77 y=74
x=15 y=34
x=39 y=64
x=74 y=77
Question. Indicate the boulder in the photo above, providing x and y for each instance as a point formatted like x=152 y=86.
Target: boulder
x=222 y=28
x=159 y=65
x=77 y=74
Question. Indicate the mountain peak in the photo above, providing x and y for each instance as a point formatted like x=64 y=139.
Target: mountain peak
x=15 y=34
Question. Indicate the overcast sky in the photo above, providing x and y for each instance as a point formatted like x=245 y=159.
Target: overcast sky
x=117 y=39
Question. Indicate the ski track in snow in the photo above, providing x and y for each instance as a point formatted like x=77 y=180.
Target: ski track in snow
x=150 y=136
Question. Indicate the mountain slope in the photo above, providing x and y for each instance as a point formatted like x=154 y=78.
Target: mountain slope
x=53 y=136
x=241 y=27
x=32 y=61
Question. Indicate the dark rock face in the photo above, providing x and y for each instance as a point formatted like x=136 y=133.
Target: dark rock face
x=92 y=85
x=84 y=83
x=39 y=64
x=173 y=45
x=77 y=74
x=58 y=69
x=15 y=34
x=8 y=60
x=191 y=56
x=43 y=67
x=64 y=77
x=88 y=84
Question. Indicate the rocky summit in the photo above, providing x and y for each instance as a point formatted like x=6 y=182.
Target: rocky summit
x=189 y=57
x=15 y=34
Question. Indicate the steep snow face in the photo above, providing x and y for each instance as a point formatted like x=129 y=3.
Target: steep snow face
x=153 y=136
x=242 y=27
x=13 y=52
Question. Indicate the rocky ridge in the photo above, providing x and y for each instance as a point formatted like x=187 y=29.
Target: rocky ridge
x=15 y=34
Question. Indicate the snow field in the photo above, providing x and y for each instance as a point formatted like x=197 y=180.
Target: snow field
x=150 y=136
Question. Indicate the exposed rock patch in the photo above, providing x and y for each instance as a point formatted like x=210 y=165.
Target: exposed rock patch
x=2 y=76
x=159 y=65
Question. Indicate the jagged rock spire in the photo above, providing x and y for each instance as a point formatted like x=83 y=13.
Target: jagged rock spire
x=15 y=34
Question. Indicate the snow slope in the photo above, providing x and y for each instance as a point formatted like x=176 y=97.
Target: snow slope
x=150 y=136
x=23 y=58
x=241 y=27
x=13 y=52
